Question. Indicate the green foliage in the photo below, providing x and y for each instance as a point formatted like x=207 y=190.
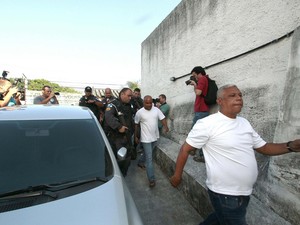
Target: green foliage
x=37 y=85
x=17 y=82
x=132 y=84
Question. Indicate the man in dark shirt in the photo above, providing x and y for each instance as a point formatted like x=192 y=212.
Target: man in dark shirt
x=91 y=101
x=136 y=100
x=119 y=125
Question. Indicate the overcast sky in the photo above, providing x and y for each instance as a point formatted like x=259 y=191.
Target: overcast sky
x=93 y=41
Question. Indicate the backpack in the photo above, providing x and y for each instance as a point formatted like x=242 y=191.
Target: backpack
x=211 y=95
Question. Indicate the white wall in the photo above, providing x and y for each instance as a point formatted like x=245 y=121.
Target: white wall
x=206 y=32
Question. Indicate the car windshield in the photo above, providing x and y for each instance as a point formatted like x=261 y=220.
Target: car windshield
x=51 y=152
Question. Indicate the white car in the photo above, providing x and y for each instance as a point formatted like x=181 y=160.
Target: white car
x=57 y=167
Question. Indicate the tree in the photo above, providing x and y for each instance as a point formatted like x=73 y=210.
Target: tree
x=133 y=84
x=37 y=85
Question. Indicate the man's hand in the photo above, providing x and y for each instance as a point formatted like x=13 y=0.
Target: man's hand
x=52 y=95
x=18 y=94
x=295 y=145
x=193 y=83
x=13 y=90
x=175 y=181
x=123 y=129
x=136 y=140
x=166 y=129
x=90 y=101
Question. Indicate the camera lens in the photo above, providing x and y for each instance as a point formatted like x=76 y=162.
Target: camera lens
x=187 y=82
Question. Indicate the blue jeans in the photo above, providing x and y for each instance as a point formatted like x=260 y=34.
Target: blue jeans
x=198 y=116
x=229 y=210
x=147 y=157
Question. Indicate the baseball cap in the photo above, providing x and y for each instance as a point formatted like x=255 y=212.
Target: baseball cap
x=88 y=89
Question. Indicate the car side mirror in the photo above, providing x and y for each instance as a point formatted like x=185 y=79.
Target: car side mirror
x=122 y=152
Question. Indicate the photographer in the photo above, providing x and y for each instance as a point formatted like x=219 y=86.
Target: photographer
x=47 y=97
x=164 y=107
x=9 y=96
x=91 y=101
x=200 y=84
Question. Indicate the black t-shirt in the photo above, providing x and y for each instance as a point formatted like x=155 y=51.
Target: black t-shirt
x=92 y=106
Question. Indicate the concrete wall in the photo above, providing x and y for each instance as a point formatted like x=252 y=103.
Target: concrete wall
x=262 y=60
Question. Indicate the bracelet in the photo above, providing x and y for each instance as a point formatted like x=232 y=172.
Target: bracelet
x=289 y=148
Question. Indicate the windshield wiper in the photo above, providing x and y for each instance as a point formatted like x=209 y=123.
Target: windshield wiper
x=26 y=193
x=49 y=189
x=73 y=183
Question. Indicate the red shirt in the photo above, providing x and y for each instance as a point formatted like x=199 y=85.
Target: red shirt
x=200 y=105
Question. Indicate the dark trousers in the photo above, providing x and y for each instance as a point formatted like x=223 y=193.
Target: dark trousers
x=229 y=210
x=116 y=143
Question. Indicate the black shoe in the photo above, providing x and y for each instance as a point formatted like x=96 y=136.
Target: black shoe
x=152 y=184
x=141 y=166
x=199 y=159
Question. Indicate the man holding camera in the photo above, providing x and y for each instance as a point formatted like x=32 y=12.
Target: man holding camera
x=91 y=101
x=47 y=97
x=9 y=96
x=164 y=107
x=200 y=84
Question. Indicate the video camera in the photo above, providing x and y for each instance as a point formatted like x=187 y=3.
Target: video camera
x=155 y=100
x=192 y=78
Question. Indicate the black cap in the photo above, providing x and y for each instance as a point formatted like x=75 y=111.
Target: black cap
x=88 y=89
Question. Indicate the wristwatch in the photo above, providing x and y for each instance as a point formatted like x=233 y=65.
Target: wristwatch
x=289 y=148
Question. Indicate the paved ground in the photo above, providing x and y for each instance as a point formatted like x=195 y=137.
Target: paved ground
x=161 y=205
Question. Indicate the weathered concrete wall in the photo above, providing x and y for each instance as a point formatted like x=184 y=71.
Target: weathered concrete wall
x=207 y=32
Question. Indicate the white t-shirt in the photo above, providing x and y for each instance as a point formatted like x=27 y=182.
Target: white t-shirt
x=228 y=147
x=148 y=120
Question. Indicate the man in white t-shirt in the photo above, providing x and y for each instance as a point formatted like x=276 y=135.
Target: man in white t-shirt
x=228 y=142
x=147 y=118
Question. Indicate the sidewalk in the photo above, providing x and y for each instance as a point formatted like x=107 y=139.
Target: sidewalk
x=161 y=205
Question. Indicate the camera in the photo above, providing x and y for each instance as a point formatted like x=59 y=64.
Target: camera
x=192 y=78
x=155 y=100
x=20 y=89
x=17 y=82
x=56 y=93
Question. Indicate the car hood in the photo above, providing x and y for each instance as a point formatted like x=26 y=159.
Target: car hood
x=105 y=204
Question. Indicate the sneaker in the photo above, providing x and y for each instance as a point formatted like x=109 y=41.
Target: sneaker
x=152 y=184
x=199 y=159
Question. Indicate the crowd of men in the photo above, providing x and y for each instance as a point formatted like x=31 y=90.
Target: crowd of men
x=122 y=118
x=225 y=141
x=125 y=124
